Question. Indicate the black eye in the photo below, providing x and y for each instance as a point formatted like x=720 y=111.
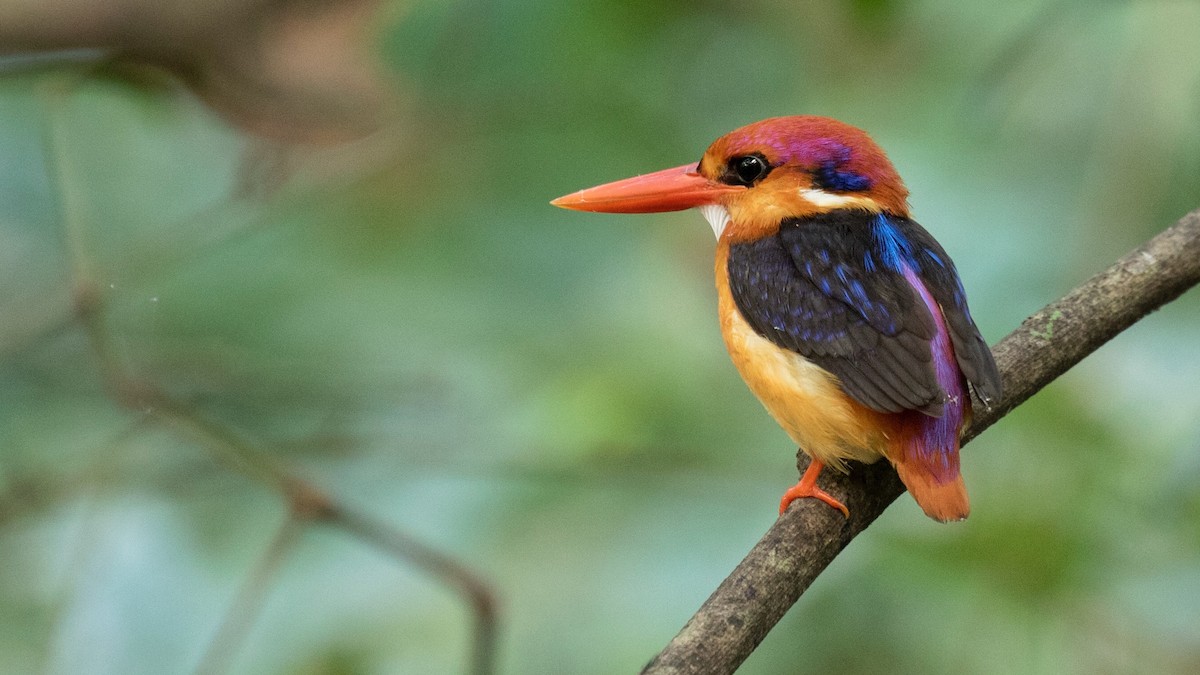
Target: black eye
x=746 y=170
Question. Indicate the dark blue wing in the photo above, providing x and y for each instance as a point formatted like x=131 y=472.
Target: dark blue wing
x=832 y=288
x=937 y=272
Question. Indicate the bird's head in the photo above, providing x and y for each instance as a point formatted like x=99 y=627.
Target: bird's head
x=751 y=179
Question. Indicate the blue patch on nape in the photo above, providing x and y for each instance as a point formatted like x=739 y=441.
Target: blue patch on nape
x=828 y=176
x=894 y=248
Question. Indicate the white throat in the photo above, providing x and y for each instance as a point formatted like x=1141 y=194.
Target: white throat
x=717 y=216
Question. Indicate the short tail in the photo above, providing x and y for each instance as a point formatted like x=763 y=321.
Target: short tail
x=943 y=501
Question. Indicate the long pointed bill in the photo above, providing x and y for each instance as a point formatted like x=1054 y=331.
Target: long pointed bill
x=668 y=190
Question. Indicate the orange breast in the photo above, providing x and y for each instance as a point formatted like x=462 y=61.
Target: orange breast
x=805 y=399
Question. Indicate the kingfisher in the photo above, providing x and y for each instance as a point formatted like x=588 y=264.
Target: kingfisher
x=845 y=317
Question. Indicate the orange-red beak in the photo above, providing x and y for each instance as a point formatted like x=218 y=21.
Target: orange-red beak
x=668 y=190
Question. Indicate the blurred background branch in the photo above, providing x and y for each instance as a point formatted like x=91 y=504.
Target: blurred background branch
x=295 y=70
x=306 y=502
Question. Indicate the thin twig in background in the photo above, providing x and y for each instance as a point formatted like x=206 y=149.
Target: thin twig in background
x=805 y=539
x=230 y=637
x=452 y=573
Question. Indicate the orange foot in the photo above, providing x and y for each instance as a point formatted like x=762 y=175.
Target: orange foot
x=807 y=487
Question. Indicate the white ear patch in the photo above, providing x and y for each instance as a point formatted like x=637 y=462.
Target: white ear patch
x=717 y=216
x=830 y=200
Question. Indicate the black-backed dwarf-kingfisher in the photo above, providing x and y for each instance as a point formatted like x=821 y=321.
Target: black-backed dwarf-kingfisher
x=843 y=315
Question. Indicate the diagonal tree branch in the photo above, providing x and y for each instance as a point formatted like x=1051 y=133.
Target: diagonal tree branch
x=802 y=543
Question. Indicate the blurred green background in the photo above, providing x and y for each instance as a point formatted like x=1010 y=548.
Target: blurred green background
x=544 y=395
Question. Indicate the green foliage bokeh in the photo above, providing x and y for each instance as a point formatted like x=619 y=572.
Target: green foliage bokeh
x=543 y=394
